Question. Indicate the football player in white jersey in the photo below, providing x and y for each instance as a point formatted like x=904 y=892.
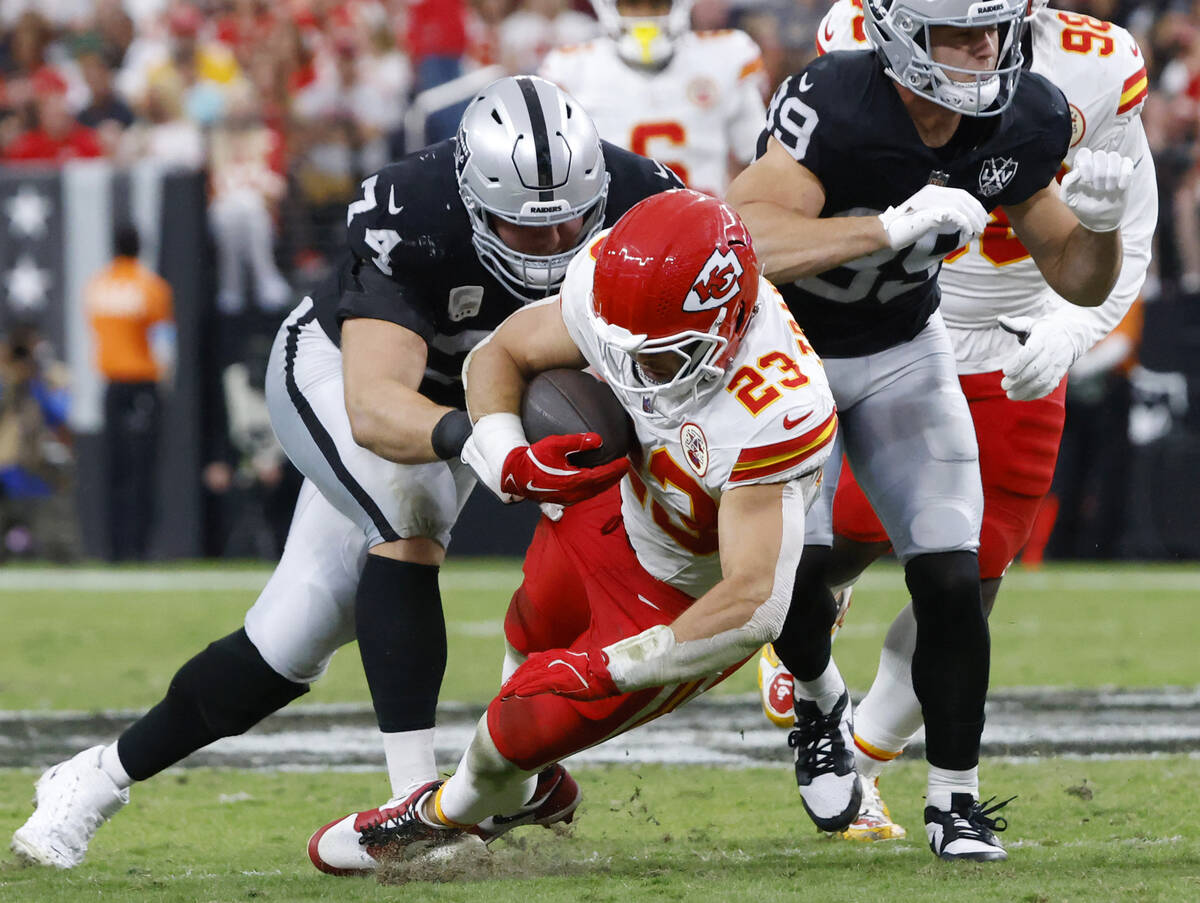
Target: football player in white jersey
x=641 y=597
x=693 y=100
x=1013 y=354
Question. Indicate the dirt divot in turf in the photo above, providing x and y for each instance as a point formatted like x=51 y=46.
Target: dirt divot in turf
x=527 y=854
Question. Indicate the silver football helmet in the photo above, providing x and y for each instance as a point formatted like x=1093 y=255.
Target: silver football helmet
x=528 y=154
x=645 y=41
x=899 y=31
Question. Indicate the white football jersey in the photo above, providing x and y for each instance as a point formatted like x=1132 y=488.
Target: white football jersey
x=771 y=421
x=1100 y=69
x=704 y=107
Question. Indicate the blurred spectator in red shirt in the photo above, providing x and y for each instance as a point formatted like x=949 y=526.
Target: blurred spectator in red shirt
x=56 y=137
x=437 y=40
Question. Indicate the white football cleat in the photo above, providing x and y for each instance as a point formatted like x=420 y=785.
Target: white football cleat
x=825 y=773
x=874 y=821
x=73 y=799
x=966 y=830
x=353 y=845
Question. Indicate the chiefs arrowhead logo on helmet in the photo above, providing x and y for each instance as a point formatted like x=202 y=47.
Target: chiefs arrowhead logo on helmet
x=717 y=282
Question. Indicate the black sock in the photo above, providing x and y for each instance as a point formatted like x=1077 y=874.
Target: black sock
x=402 y=641
x=804 y=643
x=952 y=656
x=222 y=691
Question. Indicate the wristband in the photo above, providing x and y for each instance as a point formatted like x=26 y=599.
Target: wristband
x=450 y=434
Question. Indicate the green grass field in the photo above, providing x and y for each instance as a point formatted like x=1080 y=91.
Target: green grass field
x=1082 y=830
x=117 y=648
x=651 y=833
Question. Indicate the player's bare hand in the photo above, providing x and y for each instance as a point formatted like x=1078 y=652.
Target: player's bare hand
x=1047 y=351
x=544 y=472
x=1097 y=188
x=578 y=675
x=938 y=209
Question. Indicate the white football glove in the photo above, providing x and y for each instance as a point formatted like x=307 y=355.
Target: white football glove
x=1047 y=352
x=494 y=436
x=935 y=208
x=1097 y=189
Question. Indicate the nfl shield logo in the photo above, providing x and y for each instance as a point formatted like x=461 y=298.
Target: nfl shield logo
x=995 y=174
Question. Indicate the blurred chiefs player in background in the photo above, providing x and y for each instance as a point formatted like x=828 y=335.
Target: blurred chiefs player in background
x=1014 y=340
x=693 y=100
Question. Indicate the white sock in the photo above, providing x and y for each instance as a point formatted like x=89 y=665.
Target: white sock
x=943 y=782
x=825 y=691
x=410 y=760
x=889 y=714
x=485 y=783
x=110 y=764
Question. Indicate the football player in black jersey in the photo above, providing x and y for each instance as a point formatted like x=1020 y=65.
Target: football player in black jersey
x=874 y=166
x=365 y=395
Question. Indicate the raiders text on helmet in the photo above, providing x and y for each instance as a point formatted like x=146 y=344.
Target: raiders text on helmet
x=528 y=154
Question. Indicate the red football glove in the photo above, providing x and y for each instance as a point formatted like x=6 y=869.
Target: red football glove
x=578 y=675
x=542 y=472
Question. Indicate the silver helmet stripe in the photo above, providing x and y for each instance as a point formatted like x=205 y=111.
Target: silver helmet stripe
x=541 y=140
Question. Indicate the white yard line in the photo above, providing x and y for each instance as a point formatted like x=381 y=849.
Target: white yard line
x=467 y=577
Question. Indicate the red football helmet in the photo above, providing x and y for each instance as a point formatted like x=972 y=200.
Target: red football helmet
x=676 y=283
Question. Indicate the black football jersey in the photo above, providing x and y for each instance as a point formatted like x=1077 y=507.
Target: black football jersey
x=842 y=118
x=411 y=260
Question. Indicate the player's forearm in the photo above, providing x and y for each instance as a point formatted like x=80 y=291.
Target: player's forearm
x=791 y=246
x=727 y=606
x=720 y=629
x=745 y=609
x=1086 y=269
x=394 y=422
x=493 y=380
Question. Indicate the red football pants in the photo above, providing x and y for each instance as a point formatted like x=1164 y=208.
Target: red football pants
x=584 y=588
x=1018 y=448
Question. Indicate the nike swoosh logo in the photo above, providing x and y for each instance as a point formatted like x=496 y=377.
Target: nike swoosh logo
x=642 y=598
x=392 y=208
x=558 y=661
x=531 y=488
x=828 y=32
x=805 y=84
x=789 y=423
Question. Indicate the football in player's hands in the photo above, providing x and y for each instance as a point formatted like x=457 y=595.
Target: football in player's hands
x=565 y=402
x=935 y=208
x=545 y=471
x=1097 y=188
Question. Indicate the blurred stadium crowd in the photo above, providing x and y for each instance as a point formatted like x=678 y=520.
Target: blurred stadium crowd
x=285 y=106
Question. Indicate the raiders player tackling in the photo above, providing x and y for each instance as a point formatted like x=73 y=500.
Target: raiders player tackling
x=874 y=166
x=364 y=392
x=642 y=597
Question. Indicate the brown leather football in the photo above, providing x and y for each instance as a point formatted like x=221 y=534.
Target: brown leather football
x=561 y=402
